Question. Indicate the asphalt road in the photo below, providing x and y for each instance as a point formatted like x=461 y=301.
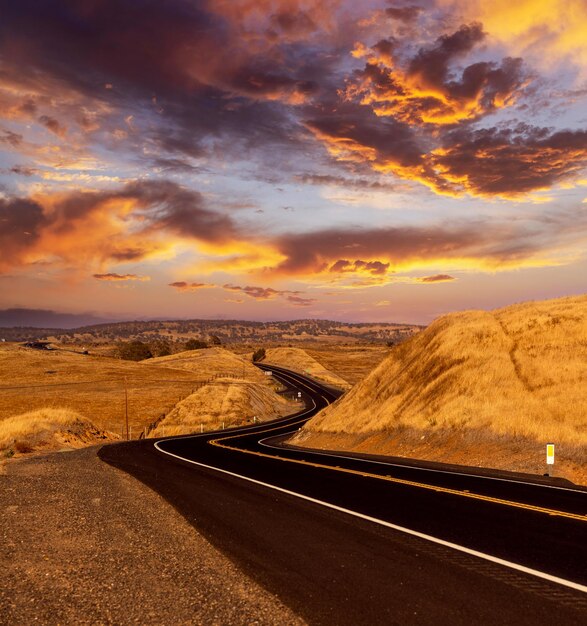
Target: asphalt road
x=359 y=540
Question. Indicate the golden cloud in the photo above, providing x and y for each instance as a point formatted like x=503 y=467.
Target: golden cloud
x=547 y=30
x=424 y=90
x=113 y=277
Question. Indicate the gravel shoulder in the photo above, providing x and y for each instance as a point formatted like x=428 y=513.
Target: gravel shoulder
x=83 y=542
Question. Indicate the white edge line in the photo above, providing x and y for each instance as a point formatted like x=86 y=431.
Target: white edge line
x=408 y=531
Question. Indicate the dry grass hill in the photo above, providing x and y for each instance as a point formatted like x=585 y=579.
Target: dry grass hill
x=352 y=363
x=476 y=388
x=50 y=429
x=222 y=404
x=299 y=360
x=238 y=392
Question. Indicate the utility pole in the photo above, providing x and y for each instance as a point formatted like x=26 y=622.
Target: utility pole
x=126 y=408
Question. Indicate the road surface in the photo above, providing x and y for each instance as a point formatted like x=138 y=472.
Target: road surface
x=347 y=540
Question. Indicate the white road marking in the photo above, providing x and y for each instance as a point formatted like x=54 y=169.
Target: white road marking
x=409 y=531
x=442 y=542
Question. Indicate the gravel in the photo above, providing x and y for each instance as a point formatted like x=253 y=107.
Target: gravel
x=84 y=543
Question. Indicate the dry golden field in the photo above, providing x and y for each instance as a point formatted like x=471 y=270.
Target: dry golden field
x=93 y=386
x=352 y=363
x=210 y=361
x=101 y=388
x=510 y=380
x=299 y=360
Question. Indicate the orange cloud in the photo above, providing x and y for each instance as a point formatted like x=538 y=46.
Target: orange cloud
x=488 y=162
x=424 y=90
x=185 y=286
x=297 y=301
x=138 y=221
x=547 y=30
x=113 y=277
x=343 y=266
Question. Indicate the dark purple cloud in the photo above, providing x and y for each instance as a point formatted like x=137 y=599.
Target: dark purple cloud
x=259 y=293
x=511 y=161
x=405 y=14
x=182 y=285
x=21 y=221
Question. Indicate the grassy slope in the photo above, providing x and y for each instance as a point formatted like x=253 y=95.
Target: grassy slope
x=518 y=373
x=49 y=429
x=224 y=402
x=352 y=363
x=300 y=361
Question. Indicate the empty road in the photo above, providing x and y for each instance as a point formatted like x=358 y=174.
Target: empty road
x=346 y=539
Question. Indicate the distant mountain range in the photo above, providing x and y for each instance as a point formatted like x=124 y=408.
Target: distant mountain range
x=227 y=331
x=44 y=318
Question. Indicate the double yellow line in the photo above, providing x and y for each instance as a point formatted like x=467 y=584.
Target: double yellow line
x=400 y=481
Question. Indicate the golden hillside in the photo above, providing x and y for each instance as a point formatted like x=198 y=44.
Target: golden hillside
x=505 y=381
x=211 y=361
x=352 y=362
x=299 y=360
x=224 y=403
x=49 y=429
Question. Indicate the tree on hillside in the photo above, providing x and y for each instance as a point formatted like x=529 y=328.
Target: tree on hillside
x=194 y=344
x=160 y=348
x=215 y=340
x=258 y=355
x=134 y=351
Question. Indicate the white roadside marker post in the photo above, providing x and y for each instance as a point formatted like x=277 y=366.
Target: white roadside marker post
x=201 y=428
x=549 y=456
x=299 y=396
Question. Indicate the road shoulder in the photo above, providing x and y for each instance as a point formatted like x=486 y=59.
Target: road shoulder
x=83 y=542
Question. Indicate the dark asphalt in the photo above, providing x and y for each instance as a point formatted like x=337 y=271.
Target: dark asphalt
x=334 y=568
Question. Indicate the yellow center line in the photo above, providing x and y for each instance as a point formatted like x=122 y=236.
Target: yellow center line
x=401 y=481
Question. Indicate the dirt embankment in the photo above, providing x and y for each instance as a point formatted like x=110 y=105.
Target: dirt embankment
x=490 y=386
x=84 y=543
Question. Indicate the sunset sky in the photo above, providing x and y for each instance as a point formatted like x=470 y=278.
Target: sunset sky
x=285 y=159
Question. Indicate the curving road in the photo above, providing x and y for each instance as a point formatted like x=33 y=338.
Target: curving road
x=350 y=539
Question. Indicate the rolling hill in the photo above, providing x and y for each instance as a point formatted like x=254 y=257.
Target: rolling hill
x=475 y=388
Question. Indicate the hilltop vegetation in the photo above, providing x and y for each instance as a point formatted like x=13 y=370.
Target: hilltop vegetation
x=219 y=332
x=507 y=381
